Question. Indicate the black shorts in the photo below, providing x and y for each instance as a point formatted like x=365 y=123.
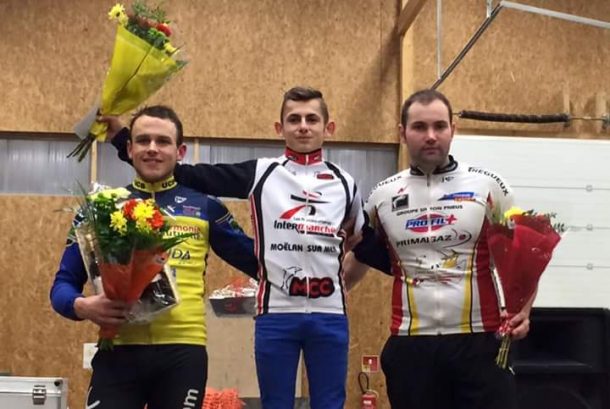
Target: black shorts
x=446 y=371
x=160 y=376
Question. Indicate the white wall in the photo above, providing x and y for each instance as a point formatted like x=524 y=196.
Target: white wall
x=572 y=178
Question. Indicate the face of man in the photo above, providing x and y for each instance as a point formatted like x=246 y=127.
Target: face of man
x=303 y=126
x=153 y=148
x=428 y=135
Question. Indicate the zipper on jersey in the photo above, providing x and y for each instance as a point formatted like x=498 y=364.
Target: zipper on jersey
x=437 y=304
x=306 y=237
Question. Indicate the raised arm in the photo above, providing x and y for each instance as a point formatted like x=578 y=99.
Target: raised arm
x=224 y=180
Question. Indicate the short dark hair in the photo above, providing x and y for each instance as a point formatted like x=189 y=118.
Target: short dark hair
x=163 y=112
x=424 y=97
x=305 y=94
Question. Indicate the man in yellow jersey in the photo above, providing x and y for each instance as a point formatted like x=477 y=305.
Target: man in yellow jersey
x=162 y=364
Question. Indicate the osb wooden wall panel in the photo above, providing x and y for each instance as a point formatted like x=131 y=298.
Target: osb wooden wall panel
x=35 y=341
x=521 y=64
x=369 y=309
x=243 y=55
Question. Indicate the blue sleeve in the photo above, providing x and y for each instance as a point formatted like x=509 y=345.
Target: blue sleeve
x=373 y=251
x=69 y=282
x=225 y=180
x=229 y=241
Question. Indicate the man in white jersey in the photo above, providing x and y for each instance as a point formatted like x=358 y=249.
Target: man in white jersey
x=301 y=205
x=428 y=228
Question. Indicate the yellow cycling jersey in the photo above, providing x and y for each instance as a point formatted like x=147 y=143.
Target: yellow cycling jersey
x=191 y=212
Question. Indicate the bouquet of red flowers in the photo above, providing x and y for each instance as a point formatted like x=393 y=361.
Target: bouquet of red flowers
x=521 y=244
x=124 y=245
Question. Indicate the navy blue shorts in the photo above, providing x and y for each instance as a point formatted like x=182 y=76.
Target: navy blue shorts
x=160 y=376
x=446 y=371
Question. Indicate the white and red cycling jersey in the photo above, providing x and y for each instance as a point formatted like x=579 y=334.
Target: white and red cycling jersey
x=434 y=228
x=299 y=204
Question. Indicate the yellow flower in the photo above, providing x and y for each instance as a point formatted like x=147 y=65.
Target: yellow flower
x=170 y=48
x=143 y=210
x=118 y=222
x=142 y=213
x=117 y=12
x=513 y=211
x=143 y=226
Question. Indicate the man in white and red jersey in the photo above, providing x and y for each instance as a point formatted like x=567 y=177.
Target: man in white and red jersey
x=428 y=228
x=300 y=204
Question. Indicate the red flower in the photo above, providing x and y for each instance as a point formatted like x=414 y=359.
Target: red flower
x=164 y=28
x=128 y=208
x=157 y=220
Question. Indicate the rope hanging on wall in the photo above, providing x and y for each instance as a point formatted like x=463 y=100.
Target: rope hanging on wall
x=529 y=119
x=519 y=118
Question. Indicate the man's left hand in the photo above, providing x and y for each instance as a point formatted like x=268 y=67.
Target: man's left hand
x=352 y=238
x=520 y=325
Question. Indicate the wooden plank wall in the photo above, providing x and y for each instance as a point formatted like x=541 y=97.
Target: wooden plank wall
x=523 y=63
x=242 y=56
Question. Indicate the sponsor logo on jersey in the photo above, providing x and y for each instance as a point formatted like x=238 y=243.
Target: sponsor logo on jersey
x=459 y=196
x=298 y=285
x=492 y=175
x=446 y=240
x=433 y=221
x=179 y=199
x=309 y=198
x=311 y=287
x=286 y=247
x=400 y=202
x=310 y=248
x=447 y=179
x=324 y=176
x=292 y=219
x=179 y=229
x=191 y=211
x=385 y=182
x=309 y=228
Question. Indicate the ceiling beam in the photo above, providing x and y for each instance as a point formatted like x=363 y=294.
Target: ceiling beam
x=407 y=15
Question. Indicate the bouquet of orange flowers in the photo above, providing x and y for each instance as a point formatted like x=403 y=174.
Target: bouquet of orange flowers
x=124 y=245
x=143 y=60
x=521 y=244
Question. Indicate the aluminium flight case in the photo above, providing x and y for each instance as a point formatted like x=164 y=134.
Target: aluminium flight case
x=18 y=392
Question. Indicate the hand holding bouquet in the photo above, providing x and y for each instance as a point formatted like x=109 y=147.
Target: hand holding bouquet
x=127 y=237
x=521 y=244
x=143 y=60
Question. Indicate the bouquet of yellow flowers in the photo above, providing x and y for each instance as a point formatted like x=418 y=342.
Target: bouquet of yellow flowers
x=124 y=245
x=143 y=60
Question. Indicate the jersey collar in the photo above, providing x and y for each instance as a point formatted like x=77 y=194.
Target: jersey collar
x=165 y=184
x=450 y=167
x=304 y=158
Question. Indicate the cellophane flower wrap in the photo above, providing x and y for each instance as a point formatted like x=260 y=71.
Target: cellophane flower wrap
x=144 y=58
x=124 y=246
x=521 y=244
